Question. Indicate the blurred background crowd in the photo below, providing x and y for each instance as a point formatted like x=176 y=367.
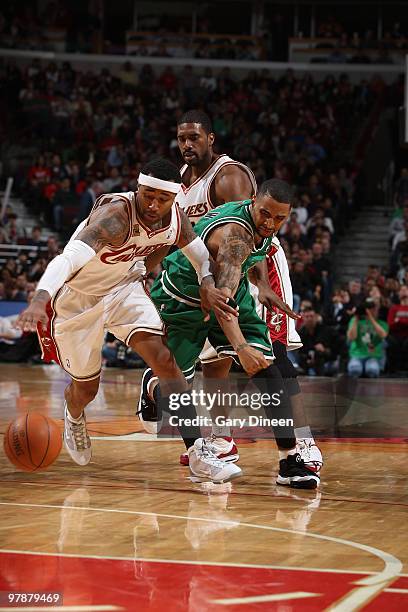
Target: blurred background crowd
x=96 y=26
x=69 y=135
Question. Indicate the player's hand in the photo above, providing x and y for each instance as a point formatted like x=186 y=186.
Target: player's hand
x=35 y=313
x=271 y=300
x=251 y=359
x=216 y=300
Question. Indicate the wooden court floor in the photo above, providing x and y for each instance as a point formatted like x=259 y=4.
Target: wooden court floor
x=131 y=531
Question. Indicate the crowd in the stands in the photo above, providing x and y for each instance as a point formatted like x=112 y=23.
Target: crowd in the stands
x=94 y=130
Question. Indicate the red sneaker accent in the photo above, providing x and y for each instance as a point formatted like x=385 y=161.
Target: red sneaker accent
x=313 y=467
x=184 y=459
x=233 y=451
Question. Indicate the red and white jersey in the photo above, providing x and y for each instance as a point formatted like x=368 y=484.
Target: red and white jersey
x=114 y=266
x=195 y=200
x=281 y=327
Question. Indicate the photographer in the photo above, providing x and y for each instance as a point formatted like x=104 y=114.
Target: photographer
x=366 y=334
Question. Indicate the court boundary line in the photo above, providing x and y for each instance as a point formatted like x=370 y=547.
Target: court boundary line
x=285 y=568
x=366 y=588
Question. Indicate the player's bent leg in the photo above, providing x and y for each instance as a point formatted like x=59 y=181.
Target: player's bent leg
x=306 y=445
x=163 y=366
x=78 y=395
x=292 y=469
x=204 y=464
x=152 y=348
x=220 y=441
x=147 y=407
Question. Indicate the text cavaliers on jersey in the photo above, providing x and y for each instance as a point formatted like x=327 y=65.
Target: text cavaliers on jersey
x=195 y=199
x=113 y=266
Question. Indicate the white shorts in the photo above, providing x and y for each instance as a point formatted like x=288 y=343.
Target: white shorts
x=78 y=324
x=209 y=354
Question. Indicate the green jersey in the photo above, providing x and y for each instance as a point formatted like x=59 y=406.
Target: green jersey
x=367 y=343
x=178 y=273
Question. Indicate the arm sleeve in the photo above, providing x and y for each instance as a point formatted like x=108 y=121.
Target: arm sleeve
x=74 y=257
x=199 y=257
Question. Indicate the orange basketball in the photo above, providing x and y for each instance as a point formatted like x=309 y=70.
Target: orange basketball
x=32 y=442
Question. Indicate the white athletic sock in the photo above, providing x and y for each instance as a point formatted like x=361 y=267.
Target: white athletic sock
x=304 y=432
x=221 y=431
x=151 y=385
x=283 y=454
x=72 y=419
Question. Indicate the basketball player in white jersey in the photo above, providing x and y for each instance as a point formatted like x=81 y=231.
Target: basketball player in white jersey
x=96 y=285
x=210 y=180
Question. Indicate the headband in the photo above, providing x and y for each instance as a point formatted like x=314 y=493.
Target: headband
x=156 y=183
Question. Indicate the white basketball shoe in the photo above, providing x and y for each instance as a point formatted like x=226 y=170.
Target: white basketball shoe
x=310 y=453
x=205 y=465
x=76 y=439
x=224 y=448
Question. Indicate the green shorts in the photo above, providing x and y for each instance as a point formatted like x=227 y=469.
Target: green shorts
x=187 y=331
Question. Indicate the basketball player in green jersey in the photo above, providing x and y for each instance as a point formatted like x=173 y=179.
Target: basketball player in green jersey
x=209 y=180
x=237 y=235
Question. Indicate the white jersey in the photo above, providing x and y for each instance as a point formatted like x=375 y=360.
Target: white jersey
x=195 y=200
x=281 y=326
x=115 y=266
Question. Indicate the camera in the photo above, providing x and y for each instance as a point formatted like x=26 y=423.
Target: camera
x=368 y=304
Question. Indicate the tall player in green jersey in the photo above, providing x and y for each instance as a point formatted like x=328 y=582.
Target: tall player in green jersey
x=237 y=235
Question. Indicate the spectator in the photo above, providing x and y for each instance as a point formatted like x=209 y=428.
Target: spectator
x=355 y=290
x=366 y=334
x=64 y=199
x=113 y=182
x=398 y=220
x=397 y=350
x=401 y=236
x=88 y=199
x=8 y=333
x=118 y=355
x=20 y=348
x=35 y=237
x=300 y=208
x=401 y=187
x=318 y=355
x=14 y=229
x=53 y=247
x=339 y=312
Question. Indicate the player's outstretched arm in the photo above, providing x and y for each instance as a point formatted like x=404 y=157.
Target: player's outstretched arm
x=107 y=225
x=258 y=275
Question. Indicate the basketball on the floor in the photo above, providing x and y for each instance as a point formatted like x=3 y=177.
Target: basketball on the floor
x=32 y=442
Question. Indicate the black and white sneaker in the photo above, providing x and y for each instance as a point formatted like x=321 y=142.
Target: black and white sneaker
x=147 y=409
x=293 y=473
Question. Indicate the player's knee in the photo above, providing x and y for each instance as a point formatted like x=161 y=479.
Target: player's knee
x=85 y=392
x=217 y=369
x=164 y=362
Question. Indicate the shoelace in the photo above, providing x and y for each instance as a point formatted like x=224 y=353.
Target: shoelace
x=207 y=454
x=79 y=432
x=304 y=448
